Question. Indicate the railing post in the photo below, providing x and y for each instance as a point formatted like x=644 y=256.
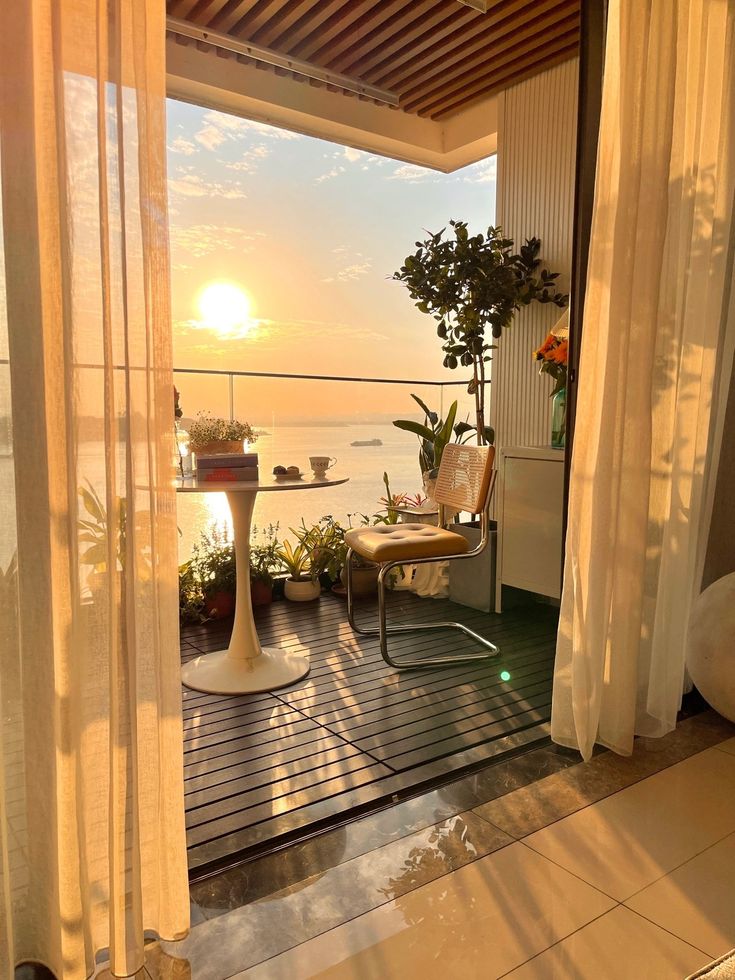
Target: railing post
x=232 y=396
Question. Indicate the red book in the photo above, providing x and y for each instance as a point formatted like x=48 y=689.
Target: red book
x=226 y=474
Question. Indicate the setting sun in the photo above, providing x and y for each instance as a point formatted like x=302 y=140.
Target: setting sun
x=225 y=308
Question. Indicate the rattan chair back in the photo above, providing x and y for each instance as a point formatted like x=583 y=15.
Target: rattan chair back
x=464 y=478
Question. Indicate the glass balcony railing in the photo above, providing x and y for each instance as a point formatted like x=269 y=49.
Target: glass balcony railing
x=298 y=416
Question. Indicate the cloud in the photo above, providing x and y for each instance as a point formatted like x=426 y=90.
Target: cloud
x=352 y=154
x=183 y=146
x=334 y=172
x=249 y=161
x=235 y=128
x=210 y=137
x=413 y=174
x=355 y=270
x=269 y=334
x=203 y=239
x=192 y=184
x=484 y=172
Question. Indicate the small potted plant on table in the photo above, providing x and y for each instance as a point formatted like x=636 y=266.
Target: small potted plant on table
x=215 y=436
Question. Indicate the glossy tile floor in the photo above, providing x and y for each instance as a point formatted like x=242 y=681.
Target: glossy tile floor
x=616 y=868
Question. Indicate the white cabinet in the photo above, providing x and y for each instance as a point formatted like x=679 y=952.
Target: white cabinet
x=530 y=506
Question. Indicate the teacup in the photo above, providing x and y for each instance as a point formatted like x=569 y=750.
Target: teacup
x=320 y=465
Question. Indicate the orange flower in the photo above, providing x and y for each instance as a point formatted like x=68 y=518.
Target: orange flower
x=561 y=353
x=548 y=345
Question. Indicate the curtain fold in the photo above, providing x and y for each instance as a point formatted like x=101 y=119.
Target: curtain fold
x=92 y=841
x=657 y=344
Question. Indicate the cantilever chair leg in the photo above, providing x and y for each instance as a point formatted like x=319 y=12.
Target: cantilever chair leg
x=383 y=629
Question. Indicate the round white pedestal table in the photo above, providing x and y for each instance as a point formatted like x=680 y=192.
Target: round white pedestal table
x=245 y=667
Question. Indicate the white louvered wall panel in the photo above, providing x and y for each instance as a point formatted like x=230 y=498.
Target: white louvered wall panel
x=535 y=196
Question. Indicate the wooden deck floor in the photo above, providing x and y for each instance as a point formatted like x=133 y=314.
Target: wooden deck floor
x=354 y=734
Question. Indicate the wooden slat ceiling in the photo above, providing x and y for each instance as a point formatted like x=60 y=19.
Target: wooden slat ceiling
x=438 y=56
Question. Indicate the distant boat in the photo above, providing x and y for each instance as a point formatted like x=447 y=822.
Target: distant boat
x=367 y=442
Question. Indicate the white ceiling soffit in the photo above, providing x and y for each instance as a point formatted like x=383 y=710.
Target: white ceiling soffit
x=203 y=74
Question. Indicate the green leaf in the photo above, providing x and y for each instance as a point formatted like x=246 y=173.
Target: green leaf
x=92 y=504
x=418 y=430
x=422 y=405
x=96 y=555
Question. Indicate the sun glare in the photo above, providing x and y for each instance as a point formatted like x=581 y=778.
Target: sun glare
x=225 y=308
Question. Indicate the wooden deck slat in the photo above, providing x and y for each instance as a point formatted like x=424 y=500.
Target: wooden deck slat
x=354 y=732
x=277 y=827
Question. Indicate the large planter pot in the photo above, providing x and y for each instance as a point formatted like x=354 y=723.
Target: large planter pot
x=261 y=593
x=472 y=580
x=711 y=645
x=364 y=578
x=304 y=591
x=220 y=605
x=219 y=447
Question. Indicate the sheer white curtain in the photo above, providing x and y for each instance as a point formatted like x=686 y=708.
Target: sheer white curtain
x=658 y=334
x=92 y=846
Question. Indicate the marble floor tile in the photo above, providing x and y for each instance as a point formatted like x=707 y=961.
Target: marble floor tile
x=543 y=802
x=617 y=946
x=264 y=876
x=481 y=921
x=230 y=942
x=529 y=809
x=728 y=746
x=697 y=900
x=628 y=840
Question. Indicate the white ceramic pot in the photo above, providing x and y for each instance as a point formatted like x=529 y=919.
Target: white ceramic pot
x=711 y=645
x=303 y=591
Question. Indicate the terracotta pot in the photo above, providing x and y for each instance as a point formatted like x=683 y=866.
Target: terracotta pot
x=261 y=593
x=364 y=579
x=219 y=447
x=220 y=605
x=303 y=591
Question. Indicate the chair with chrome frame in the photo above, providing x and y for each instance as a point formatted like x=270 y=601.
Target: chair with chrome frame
x=465 y=483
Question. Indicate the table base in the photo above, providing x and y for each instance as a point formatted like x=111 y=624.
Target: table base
x=219 y=673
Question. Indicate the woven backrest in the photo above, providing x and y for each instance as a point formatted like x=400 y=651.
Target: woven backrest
x=464 y=477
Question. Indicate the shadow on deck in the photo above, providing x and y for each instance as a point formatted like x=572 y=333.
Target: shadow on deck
x=354 y=735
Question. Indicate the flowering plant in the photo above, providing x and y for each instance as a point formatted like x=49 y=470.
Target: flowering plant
x=553 y=355
x=206 y=428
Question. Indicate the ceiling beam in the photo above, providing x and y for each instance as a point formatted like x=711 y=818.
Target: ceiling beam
x=306 y=69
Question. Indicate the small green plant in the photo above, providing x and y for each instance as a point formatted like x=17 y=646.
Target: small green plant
x=207 y=428
x=209 y=572
x=94 y=530
x=191 y=597
x=213 y=563
x=296 y=559
x=265 y=561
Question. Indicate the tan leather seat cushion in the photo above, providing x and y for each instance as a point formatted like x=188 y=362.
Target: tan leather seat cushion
x=402 y=542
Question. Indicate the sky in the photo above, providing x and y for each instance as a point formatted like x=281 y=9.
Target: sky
x=310 y=232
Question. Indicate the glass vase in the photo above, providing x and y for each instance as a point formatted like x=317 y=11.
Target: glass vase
x=183 y=453
x=558 y=418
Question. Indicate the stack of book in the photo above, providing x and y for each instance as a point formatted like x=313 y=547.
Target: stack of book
x=227 y=468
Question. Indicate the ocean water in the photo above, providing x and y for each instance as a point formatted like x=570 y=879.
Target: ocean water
x=291 y=446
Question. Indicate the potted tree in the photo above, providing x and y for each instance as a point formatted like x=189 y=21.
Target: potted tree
x=471 y=284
